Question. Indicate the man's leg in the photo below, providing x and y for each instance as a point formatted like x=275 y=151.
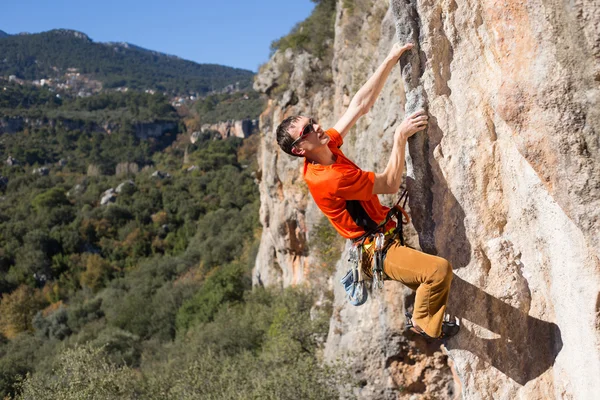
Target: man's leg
x=430 y=276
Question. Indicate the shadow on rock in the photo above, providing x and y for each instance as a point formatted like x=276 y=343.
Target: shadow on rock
x=523 y=347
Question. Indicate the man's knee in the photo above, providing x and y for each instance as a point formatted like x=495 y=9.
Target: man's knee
x=443 y=273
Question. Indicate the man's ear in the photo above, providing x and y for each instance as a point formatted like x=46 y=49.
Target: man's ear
x=298 y=152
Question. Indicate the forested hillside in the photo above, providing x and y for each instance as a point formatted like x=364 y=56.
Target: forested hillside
x=50 y=54
x=125 y=262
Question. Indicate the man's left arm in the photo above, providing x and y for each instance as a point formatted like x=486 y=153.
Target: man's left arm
x=364 y=99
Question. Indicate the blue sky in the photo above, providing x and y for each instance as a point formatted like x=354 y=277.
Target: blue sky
x=236 y=33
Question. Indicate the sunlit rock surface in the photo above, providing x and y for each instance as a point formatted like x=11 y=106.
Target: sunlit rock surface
x=505 y=184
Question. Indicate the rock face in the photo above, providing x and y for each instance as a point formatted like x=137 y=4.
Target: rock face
x=108 y=196
x=241 y=128
x=505 y=184
x=125 y=185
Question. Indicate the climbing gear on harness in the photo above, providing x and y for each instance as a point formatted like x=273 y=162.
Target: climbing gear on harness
x=378 y=235
x=396 y=211
x=378 y=257
x=353 y=281
x=449 y=328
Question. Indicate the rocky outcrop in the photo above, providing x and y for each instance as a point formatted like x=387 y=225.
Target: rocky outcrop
x=42 y=171
x=160 y=175
x=285 y=211
x=241 y=128
x=11 y=161
x=505 y=184
x=108 y=196
x=126 y=185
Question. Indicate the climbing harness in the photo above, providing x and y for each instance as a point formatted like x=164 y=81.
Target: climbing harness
x=354 y=282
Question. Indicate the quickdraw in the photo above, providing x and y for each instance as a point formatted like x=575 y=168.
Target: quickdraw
x=378 y=258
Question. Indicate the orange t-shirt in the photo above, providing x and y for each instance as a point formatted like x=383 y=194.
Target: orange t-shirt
x=344 y=192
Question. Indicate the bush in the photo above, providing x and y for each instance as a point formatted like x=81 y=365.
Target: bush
x=326 y=244
x=98 y=272
x=225 y=285
x=230 y=106
x=315 y=34
x=266 y=345
x=18 y=309
x=17 y=357
x=53 y=326
x=83 y=312
x=83 y=372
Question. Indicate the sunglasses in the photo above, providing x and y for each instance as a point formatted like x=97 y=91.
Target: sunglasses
x=305 y=132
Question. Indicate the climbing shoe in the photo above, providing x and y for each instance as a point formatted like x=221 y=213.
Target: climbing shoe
x=449 y=327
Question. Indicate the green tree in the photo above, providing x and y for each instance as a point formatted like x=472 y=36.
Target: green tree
x=17 y=310
x=83 y=372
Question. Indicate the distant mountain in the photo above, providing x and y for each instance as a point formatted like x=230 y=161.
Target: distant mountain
x=3 y=34
x=50 y=54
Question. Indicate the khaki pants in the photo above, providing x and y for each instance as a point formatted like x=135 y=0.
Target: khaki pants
x=430 y=276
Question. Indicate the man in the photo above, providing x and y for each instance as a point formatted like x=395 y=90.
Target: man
x=348 y=196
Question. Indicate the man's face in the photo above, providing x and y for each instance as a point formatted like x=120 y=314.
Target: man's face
x=309 y=135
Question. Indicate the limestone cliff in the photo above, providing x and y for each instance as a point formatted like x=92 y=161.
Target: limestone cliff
x=505 y=184
x=239 y=128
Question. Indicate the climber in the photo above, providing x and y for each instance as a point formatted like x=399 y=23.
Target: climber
x=348 y=196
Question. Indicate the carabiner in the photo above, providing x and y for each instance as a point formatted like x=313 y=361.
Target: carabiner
x=378 y=261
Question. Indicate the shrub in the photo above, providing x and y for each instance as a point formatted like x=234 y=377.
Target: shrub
x=83 y=372
x=17 y=357
x=50 y=199
x=266 y=345
x=315 y=34
x=17 y=310
x=326 y=244
x=98 y=272
x=225 y=285
x=53 y=326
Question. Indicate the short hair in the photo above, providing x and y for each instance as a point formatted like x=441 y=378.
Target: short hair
x=284 y=139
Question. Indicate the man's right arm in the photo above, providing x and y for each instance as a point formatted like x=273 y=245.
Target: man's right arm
x=388 y=182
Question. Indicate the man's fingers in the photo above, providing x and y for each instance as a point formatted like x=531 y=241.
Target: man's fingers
x=416 y=114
